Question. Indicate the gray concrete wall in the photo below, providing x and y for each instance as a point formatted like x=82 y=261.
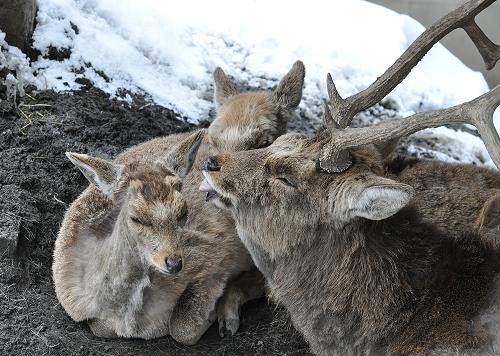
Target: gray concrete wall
x=428 y=11
x=17 y=18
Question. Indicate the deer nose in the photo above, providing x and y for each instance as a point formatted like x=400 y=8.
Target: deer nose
x=211 y=164
x=174 y=264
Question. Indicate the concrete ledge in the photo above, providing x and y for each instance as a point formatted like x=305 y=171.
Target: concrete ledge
x=17 y=18
x=429 y=11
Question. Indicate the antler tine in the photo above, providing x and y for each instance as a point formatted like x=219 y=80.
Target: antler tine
x=478 y=112
x=343 y=110
x=344 y=159
x=328 y=118
x=488 y=50
x=337 y=104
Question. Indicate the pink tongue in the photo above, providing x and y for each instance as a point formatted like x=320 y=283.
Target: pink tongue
x=205 y=186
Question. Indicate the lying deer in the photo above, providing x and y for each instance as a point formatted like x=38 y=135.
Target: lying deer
x=359 y=250
x=137 y=256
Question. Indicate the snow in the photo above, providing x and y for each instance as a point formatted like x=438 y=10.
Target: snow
x=168 y=51
x=496 y=119
x=452 y=146
x=20 y=73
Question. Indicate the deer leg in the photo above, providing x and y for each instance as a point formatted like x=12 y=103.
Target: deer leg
x=101 y=328
x=195 y=312
x=247 y=286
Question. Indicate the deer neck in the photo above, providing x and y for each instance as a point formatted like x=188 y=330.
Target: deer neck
x=121 y=254
x=260 y=256
x=324 y=266
x=114 y=267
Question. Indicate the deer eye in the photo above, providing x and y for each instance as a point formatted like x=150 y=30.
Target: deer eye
x=287 y=181
x=136 y=220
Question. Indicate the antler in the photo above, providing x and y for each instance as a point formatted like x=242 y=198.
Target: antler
x=335 y=159
x=478 y=112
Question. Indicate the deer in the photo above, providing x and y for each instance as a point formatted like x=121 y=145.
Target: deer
x=140 y=254
x=372 y=254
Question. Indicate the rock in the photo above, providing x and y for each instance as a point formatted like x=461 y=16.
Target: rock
x=17 y=18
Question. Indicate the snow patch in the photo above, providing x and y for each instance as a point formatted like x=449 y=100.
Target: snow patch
x=169 y=51
x=450 y=145
x=496 y=119
x=15 y=65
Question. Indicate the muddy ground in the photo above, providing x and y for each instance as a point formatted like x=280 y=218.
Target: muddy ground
x=37 y=183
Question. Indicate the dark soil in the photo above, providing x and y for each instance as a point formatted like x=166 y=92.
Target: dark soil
x=37 y=183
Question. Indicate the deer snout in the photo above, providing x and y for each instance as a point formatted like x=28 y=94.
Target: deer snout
x=174 y=264
x=211 y=165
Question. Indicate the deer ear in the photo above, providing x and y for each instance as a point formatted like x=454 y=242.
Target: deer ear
x=224 y=87
x=380 y=199
x=180 y=158
x=101 y=173
x=388 y=147
x=289 y=91
x=489 y=221
x=490 y=213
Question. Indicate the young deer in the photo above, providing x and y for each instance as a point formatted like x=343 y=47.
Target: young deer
x=254 y=119
x=137 y=256
x=358 y=251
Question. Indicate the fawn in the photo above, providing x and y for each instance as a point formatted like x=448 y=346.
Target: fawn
x=140 y=253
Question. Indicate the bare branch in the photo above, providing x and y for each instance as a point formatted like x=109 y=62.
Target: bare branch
x=343 y=110
x=478 y=112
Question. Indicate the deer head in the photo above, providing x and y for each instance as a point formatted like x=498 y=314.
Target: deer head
x=253 y=119
x=149 y=209
x=283 y=189
x=299 y=184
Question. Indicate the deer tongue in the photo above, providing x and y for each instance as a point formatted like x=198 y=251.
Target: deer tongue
x=205 y=186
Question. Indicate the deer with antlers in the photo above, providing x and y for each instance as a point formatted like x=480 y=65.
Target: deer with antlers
x=370 y=254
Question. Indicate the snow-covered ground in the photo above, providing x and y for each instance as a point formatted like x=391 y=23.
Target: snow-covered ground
x=168 y=50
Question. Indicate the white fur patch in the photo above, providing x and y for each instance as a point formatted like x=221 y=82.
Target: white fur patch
x=381 y=202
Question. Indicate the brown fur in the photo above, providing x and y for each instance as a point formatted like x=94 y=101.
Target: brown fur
x=488 y=222
x=254 y=119
x=366 y=261
x=140 y=194
x=157 y=301
x=455 y=193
